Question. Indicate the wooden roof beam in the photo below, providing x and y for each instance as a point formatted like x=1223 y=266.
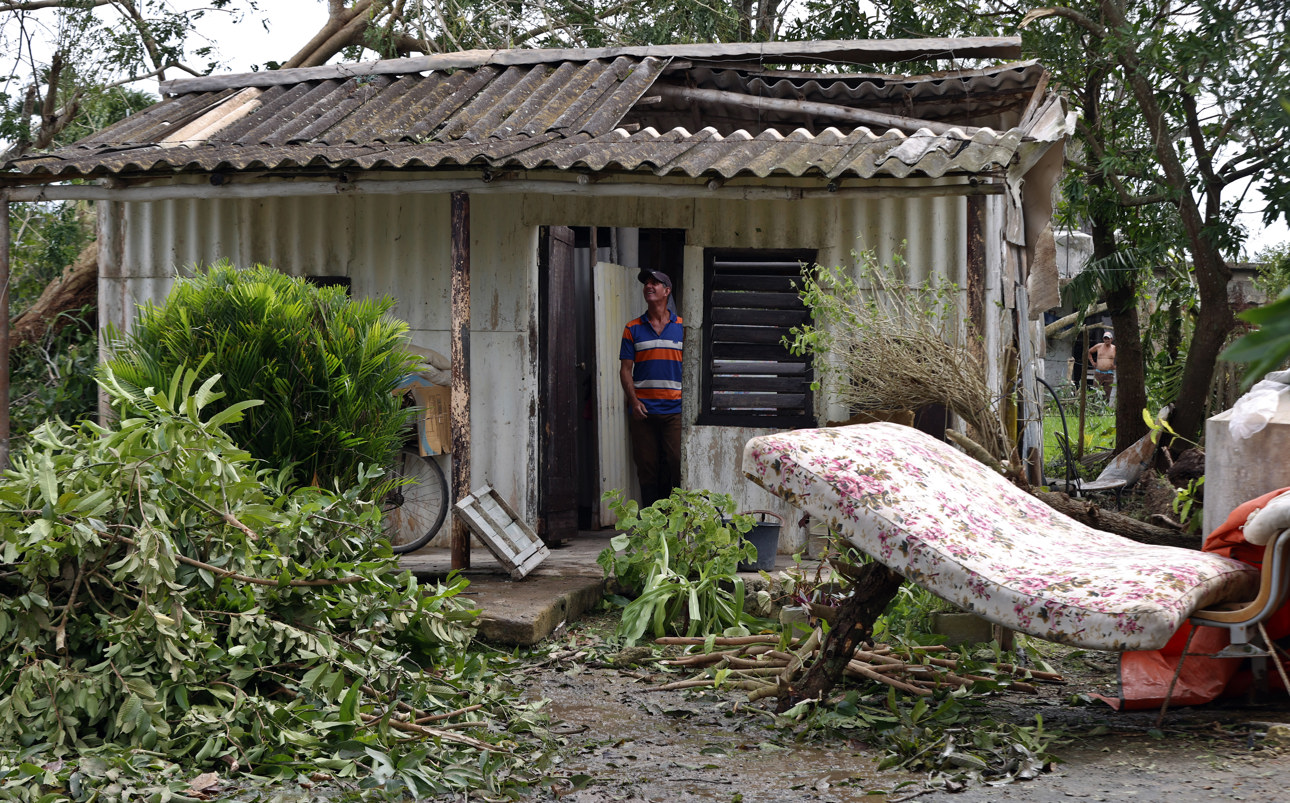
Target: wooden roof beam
x=839 y=51
x=832 y=111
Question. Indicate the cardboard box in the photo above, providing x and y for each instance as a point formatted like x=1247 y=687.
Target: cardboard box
x=433 y=428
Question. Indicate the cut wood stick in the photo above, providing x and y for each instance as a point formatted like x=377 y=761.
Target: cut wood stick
x=876 y=658
x=1033 y=673
x=864 y=671
x=722 y=641
x=890 y=668
x=447 y=736
x=704 y=659
x=749 y=685
x=683 y=684
x=798 y=658
x=446 y=715
x=757 y=672
x=750 y=663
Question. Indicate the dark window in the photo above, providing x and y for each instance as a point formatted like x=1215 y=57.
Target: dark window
x=750 y=303
x=331 y=281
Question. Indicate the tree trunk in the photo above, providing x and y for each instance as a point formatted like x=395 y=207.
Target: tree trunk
x=344 y=27
x=76 y=289
x=1213 y=323
x=1130 y=367
x=1094 y=516
x=1212 y=273
x=873 y=587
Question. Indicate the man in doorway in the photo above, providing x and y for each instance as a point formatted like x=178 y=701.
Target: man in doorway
x=650 y=371
x=1102 y=358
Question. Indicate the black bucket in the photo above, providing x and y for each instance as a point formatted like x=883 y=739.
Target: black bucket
x=765 y=537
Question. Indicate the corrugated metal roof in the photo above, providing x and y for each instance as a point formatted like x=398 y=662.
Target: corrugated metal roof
x=595 y=114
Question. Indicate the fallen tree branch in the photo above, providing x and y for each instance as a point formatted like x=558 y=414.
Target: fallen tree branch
x=259 y=581
x=1094 y=516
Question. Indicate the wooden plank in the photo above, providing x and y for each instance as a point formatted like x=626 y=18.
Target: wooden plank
x=4 y=329
x=766 y=384
x=459 y=336
x=832 y=111
x=774 y=367
x=784 y=269
x=755 y=401
x=835 y=50
x=753 y=351
x=752 y=335
x=745 y=282
x=726 y=298
x=782 y=318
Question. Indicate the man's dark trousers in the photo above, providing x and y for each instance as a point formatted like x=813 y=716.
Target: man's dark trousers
x=656 y=445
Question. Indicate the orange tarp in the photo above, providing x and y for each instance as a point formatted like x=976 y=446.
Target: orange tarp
x=1145 y=675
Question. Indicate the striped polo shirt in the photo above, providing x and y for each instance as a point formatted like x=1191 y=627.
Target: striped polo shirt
x=657 y=357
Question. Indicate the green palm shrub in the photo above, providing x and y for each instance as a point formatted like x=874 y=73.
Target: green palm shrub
x=324 y=364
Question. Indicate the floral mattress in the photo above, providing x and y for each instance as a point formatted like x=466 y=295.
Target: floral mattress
x=958 y=529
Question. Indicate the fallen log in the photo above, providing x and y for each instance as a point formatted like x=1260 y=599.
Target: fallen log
x=1094 y=516
x=76 y=289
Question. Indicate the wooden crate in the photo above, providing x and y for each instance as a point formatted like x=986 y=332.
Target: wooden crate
x=511 y=541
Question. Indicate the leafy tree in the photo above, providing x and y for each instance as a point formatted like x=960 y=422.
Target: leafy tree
x=1181 y=109
x=70 y=61
x=325 y=365
x=1205 y=77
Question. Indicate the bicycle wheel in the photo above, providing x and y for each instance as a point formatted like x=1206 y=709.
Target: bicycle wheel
x=414 y=511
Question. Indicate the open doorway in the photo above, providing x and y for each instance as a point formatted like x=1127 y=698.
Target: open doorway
x=589 y=288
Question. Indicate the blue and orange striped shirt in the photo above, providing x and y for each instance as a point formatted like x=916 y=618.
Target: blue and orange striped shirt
x=657 y=369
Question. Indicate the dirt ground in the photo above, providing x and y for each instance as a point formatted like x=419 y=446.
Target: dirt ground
x=625 y=742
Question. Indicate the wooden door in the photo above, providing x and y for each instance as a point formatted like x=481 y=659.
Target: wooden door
x=557 y=388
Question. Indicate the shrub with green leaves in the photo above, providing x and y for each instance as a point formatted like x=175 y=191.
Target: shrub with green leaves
x=164 y=598
x=678 y=557
x=324 y=364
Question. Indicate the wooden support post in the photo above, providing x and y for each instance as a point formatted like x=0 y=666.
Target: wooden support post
x=4 y=330
x=976 y=276
x=459 y=406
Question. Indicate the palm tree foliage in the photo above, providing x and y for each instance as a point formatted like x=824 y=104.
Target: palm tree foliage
x=324 y=364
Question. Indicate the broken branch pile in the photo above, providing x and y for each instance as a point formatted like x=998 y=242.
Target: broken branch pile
x=761 y=665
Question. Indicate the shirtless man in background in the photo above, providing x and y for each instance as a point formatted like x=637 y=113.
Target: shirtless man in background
x=1102 y=357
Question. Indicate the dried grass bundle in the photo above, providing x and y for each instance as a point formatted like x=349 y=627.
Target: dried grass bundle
x=884 y=343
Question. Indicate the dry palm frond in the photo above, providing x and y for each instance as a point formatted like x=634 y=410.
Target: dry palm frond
x=888 y=344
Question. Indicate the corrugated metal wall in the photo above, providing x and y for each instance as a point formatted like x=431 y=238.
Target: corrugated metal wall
x=399 y=246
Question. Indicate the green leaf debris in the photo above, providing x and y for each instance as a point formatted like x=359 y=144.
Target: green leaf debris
x=167 y=609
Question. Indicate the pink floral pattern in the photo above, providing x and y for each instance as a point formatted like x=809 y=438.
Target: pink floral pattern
x=958 y=529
